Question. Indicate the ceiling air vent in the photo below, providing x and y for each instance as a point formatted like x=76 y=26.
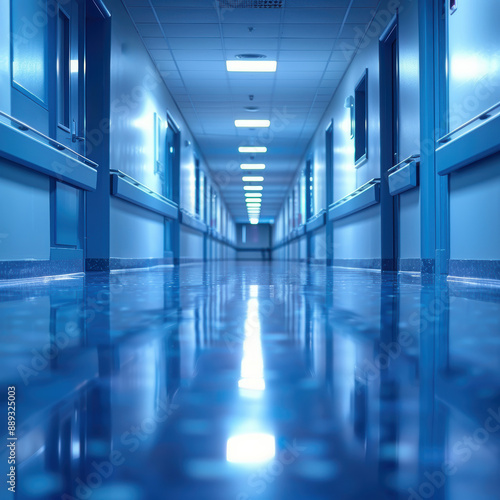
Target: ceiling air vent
x=251 y=4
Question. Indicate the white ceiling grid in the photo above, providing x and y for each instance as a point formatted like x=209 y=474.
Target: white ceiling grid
x=190 y=40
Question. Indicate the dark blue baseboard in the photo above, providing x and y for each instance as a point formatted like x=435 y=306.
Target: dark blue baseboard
x=20 y=269
x=483 y=269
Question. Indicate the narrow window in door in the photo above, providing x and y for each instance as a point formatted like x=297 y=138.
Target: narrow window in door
x=63 y=71
x=361 y=119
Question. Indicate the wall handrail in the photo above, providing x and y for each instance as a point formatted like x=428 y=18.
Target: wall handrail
x=135 y=182
x=410 y=158
x=365 y=196
x=356 y=192
x=481 y=116
x=61 y=147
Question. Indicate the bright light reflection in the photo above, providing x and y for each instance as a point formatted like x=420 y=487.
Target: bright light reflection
x=73 y=65
x=252 y=365
x=251 y=448
x=252 y=149
x=254 y=222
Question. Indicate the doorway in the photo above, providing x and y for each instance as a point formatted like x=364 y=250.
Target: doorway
x=389 y=136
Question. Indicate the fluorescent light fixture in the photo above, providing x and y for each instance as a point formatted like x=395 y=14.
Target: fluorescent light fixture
x=252 y=166
x=253 y=188
x=252 y=123
x=254 y=221
x=253 y=195
x=257 y=66
x=252 y=178
x=73 y=65
x=253 y=205
x=252 y=149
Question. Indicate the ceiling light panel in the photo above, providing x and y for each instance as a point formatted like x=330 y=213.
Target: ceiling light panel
x=252 y=66
x=252 y=149
x=252 y=178
x=252 y=123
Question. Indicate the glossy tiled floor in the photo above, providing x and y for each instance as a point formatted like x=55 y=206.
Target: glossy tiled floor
x=253 y=381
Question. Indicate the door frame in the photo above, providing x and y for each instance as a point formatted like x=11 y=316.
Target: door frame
x=389 y=205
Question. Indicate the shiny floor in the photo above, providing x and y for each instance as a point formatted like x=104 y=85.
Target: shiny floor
x=246 y=380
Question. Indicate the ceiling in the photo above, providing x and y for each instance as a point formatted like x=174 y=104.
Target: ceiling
x=313 y=42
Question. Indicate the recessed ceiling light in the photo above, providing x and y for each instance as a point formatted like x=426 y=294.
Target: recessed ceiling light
x=253 y=195
x=252 y=178
x=253 y=203
x=253 y=188
x=253 y=166
x=252 y=66
x=254 y=222
x=252 y=123
x=252 y=149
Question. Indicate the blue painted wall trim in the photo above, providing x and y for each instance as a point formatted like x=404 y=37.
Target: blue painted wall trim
x=192 y=222
x=474 y=145
x=403 y=178
x=363 y=197
x=316 y=222
x=427 y=179
x=25 y=150
x=123 y=188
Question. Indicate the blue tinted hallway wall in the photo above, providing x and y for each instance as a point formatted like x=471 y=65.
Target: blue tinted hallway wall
x=445 y=220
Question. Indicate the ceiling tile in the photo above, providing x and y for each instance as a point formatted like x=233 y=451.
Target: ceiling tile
x=142 y=14
x=191 y=30
x=310 y=31
x=200 y=43
x=170 y=15
x=241 y=30
x=161 y=55
x=251 y=44
x=155 y=43
x=149 y=29
x=325 y=15
x=193 y=55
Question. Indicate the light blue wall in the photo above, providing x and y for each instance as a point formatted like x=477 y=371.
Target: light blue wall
x=355 y=236
x=358 y=236
x=475 y=211
x=135 y=233
x=25 y=213
x=137 y=93
x=191 y=244
x=409 y=126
